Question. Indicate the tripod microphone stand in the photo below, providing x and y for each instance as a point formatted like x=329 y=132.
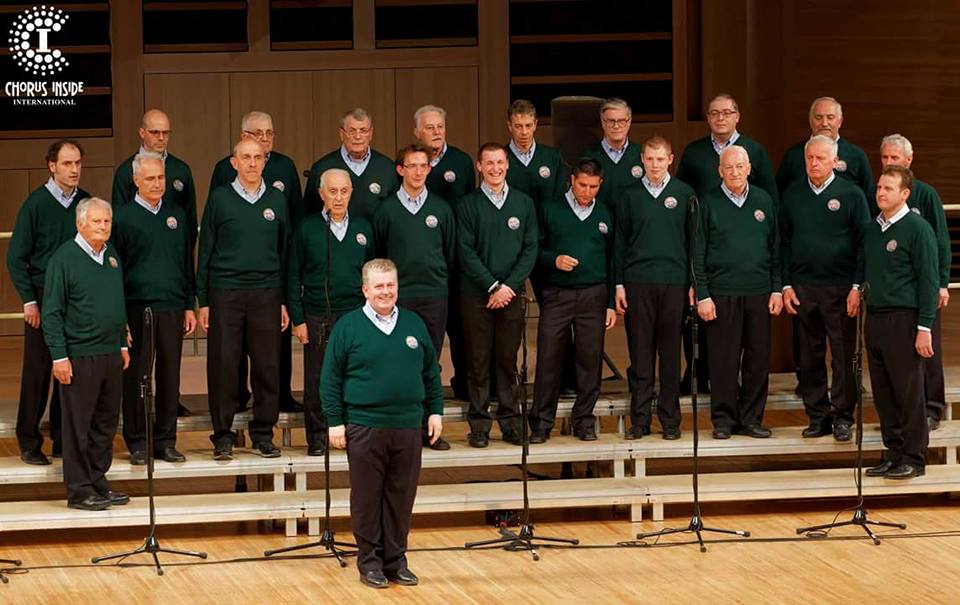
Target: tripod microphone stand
x=14 y=562
x=859 y=512
x=525 y=539
x=150 y=544
x=696 y=525
x=327 y=538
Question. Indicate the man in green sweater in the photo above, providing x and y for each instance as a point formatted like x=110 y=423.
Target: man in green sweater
x=822 y=221
x=320 y=291
x=416 y=229
x=535 y=169
x=152 y=239
x=901 y=296
x=620 y=159
x=84 y=324
x=372 y=173
x=241 y=268
x=497 y=244
x=280 y=173
x=379 y=372
x=46 y=220
x=576 y=254
x=896 y=150
x=652 y=274
x=737 y=286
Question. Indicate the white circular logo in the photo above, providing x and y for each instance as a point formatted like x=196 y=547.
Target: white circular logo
x=278 y=185
x=915 y=210
x=602 y=227
x=759 y=215
x=36 y=24
x=833 y=205
x=375 y=188
x=172 y=222
x=268 y=214
x=449 y=176
x=841 y=166
x=361 y=239
x=513 y=222
x=544 y=172
x=670 y=202
x=113 y=262
x=636 y=172
x=891 y=245
x=432 y=221
x=412 y=342
x=178 y=184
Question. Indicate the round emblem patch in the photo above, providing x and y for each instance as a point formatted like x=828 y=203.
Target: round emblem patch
x=891 y=245
x=915 y=210
x=759 y=215
x=112 y=261
x=833 y=205
x=636 y=172
x=172 y=222
x=375 y=188
x=412 y=342
x=361 y=239
x=278 y=185
x=449 y=176
x=544 y=172
x=602 y=227
x=268 y=214
x=513 y=222
x=670 y=202
x=178 y=184
x=841 y=166
x=431 y=221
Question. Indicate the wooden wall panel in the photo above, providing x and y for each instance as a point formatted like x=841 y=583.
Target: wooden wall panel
x=337 y=91
x=15 y=185
x=453 y=88
x=95 y=180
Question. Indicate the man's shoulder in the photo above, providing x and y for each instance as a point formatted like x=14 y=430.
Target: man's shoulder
x=457 y=154
x=677 y=187
x=174 y=163
x=332 y=159
x=435 y=201
x=64 y=253
x=845 y=187
x=851 y=148
x=750 y=144
x=696 y=146
x=381 y=159
x=358 y=224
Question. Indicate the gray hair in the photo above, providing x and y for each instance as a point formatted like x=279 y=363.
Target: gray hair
x=145 y=155
x=377 y=265
x=615 y=103
x=357 y=113
x=724 y=96
x=830 y=99
x=427 y=109
x=898 y=140
x=254 y=115
x=84 y=207
x=821 y=140
x=735 y=149
x=332 y=171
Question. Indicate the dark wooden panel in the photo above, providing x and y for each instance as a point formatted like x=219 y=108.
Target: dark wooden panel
x=15 y=185
x=454 y=89
x=340 y=90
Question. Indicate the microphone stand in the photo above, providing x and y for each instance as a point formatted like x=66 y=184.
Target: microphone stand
x=525 y=539
x=859 y=512
x=14 y=562
x=327 y=538
x=150 y=545
x=696 y=525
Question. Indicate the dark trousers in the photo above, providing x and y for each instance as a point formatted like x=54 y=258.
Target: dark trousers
x=34 y=390
x=739 y=349
x=896 y=377
x=653 y=323
x=384 y=469
x=91 y=412
x=703 y=351
x=285 y=364
x=822 y=315
x=433 y=312
x=458 y=343
x=313 y=354
x=239 y=317
x=492 y=334
x=168 y=340
x=568 y=372
x=933 y=386
x=582 y=310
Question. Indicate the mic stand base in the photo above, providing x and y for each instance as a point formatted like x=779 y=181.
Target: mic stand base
x=152 y=546
x=14 y=562
x=328 y=542
x=522 y=540
x=696 y=526
x=859 y=518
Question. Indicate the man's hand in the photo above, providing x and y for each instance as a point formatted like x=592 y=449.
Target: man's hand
x=707 y=310
x=924 y=343
x=611 y=319
x=129 y=336
x=776 y=303
x=63 y=371
x=691 y=296
x=853 y=302
x=501 y=297
x=31 y=315
x=566 y=263
x=300 y=332
x=621 y=300
x=942 y=300
x=189 y=322
x=284 y=318
x=434 y=427
x=338 y=436
x=790 y=300
x=125 y=356
x=205 y=318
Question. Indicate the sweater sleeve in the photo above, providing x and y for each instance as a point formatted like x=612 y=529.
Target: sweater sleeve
x=622 y=220
x=312 y=203
x=785 y=224
x=701 y=224
x=295 y=209
x=19 y=252
x=611 y=284
x=449 y=234
x=332 y=374
x=121 y=187
x=861 y=219
x=938 y=220
x=381 y=225
x=470 y=263
x=528 y=252
x=924 y=262
x=774 y=246
x=52 y=319
x=763 y=169
x=294 y=278
x=546 y=258
x=432 y=386
x=208 y=241
x=190 y=209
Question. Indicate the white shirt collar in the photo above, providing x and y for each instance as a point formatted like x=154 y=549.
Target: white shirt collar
x=251 y=198
x=719 y=147
x=739 y=200
x=339 y=230
x=885 y=224
x=615 y=155
x=582 y=212
x=525 y=157
x=655 y=190
x=58 y=194
x=96 y=256
x=826 y=183
x=385 y=324
x=412 y=204
x=163 y=156
x=436 y=160
x=496 y=200
x=356 y=166
x=146 y=205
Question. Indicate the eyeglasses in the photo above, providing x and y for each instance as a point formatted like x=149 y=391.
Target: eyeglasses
x=157 y=133
x=415 y=166
x=260 y=134
x=618 y=122
x=356 y=132
x=714 y=114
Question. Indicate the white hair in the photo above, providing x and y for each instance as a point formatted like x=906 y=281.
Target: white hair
x=735 y=149
x=821 y=140
x=830 y=99
x=357 y=113
x=145 y=155
x=615 y=103
x=84 y=207
x=427 y=109
x=254 y=115
x=331 y=172
x=898 y=140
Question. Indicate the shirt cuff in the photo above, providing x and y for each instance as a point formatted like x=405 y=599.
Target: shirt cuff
x=124 y=349
x=620 y=286
x=28 y=303
x=61 y=359
x=776 y=293
x=784 y=289
x=923 y=328
x=705 y=300
x=495 y=285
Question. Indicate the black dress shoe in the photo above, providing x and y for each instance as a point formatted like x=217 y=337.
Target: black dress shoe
x=374 y=579
x=317 y=450
x=816 y=429
x=636 y=432
x=223 y=452
x=671 y=433
x=403 y=577
x=513 y=437
x=478 y=439
x=841 y=431
x=94 y=502
x=905 y=471
x=721 y=432
x=266 y=449
x=170 y=454
x=183 y=411
x=35 y=457
x=932 y=423
x=539 y=436
x=587 y=435
x=755 y=430
x=138 y=457
x=703 y=388
x=881 y=469
x=441 y=444
x=291 y=405
x=115 y=498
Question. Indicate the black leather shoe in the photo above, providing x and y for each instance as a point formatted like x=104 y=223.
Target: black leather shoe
x=816 y=429
x=317 y=450
x=266 y=449
x=512 y=437
x=116 y=498
x=441 y=444
x=755 y=430
x=183 y=411
x=138 y=457
x=841 y=431
x=539 y=436
x=374 y=579
x=403 y=577
x=932 y=423
x=223 y=452
x=636 y=432
x=478 y=439
x=905 y=471
x=671 y=433
x=721 y=432
x=587 y=435
x=881 y=469
x=94 y=502
x=35 y=457
x=291 y=405
x=170 y=454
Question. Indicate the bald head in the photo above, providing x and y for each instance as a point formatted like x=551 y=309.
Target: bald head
x=248 y=160
x=155 y=131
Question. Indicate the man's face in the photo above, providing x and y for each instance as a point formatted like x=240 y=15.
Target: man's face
x=722 y=117
x=522 y=127
x=96 y=229
x=820 y=162
x=584 y=188
x=431 y=132
x=248 y=160
x=66 y=170
x=734 y=170
x=414 y=170
x=890 y=194
x=616 y=125
x=656 y=162
x=155 y=133
x=261 y=131
x=151 y=180
x=335 y=194
x=380 y=290
x=493 y=167
x=894 y=155
x=825 y=119
x=356 y=136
